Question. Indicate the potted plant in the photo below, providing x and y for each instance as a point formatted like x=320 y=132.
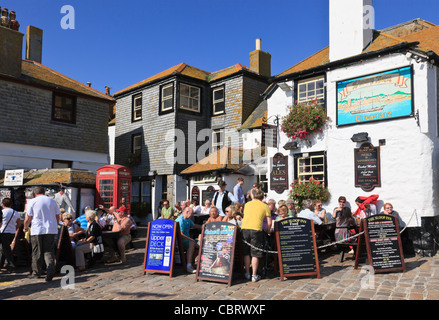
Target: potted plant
x=304 y=119
x=312 y=189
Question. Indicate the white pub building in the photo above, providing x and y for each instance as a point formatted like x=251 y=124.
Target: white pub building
x=380 y=92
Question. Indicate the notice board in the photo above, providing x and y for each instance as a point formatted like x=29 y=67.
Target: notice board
x=383 y=243
x=163 y=247
x=296 y=246
x=217 y=251
x=367 y=167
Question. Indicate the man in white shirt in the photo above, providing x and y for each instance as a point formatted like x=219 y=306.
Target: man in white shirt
x=222 y=198
x=43 y=215
x=308 y=213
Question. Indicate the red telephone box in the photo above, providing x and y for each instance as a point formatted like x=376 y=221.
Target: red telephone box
x=113 y=185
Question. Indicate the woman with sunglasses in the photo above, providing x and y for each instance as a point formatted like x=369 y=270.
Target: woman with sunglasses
x=75 y=231
x=388 y=209
x=341 y=204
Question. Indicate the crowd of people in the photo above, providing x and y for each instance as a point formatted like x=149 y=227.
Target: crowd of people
x=252 y=212
x=255 y=217
x=44 y=219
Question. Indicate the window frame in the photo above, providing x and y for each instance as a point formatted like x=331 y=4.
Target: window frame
x=162 y=88
x=181 y=107
x=72 y=109
x=217 y=145
x=137 y=150
x=135 y=97
x=320 y=98
x=311 y=155
x=223 y=100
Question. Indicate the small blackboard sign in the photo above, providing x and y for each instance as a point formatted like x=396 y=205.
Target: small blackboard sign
x=217 y=251
x=279 y=173
x=367 y=167
x=164 y=247
x=64 y=249
x=383 y=243
x=195 y=194
x=20 y=248
x=296 y=246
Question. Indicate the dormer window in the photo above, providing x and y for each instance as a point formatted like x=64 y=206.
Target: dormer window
x=189 y=97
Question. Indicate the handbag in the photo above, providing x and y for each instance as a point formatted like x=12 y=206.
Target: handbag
x=98 y=248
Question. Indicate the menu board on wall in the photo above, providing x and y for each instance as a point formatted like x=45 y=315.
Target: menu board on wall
x=383 y=243
x=296 y=245
x=216 y=254
x=163 y=247
x=367 y=167
x=279 y=173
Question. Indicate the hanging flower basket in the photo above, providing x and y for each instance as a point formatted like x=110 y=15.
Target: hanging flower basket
x=312 y=189
x=303 y=120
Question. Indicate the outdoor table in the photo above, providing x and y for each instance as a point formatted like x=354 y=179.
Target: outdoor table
x=110 y=238
x=325 y=231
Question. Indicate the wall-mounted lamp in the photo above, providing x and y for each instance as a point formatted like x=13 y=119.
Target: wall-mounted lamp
x=291 y=145
x=153 y=183
x=360 y=137
x=285 y=87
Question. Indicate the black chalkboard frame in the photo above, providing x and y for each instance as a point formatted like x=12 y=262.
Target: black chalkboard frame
x=283 y=276
x=227 y=279
x=364 y=227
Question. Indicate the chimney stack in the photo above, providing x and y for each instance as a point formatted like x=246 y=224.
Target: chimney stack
x=107 y=91
x=11 y=46
x=350 y=30
x=260 y=61
x=34 y=44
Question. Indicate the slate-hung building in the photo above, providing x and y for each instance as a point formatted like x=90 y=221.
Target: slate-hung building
x=182 y=99
x=52 y=127
x=48 y=119
x=378 y=87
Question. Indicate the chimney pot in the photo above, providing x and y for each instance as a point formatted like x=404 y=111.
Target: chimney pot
x=89 y=84
x=107 y=90
x=258 y=44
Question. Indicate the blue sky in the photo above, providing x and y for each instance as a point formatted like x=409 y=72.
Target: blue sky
x=118 y=43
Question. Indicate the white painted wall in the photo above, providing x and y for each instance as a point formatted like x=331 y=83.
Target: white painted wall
x=20 y=156
x=409 y=178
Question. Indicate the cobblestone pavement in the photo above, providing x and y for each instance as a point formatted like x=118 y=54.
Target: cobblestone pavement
x=339 y=281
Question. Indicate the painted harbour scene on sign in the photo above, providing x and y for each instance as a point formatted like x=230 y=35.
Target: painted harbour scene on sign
x=380 y=96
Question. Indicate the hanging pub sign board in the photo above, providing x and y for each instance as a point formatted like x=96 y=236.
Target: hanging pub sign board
x=296 y=246
x=164 y=247
x=195 y=194
x=367 y=167
x=279 y=173
x=217 y=252
x=383 y=243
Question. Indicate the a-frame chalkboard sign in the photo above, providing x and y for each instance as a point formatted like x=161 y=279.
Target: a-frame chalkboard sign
x=383 y=243
x=64 y=249
x=20 y=248
x=297 y=249
x=217 y=252
x=164 y=247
